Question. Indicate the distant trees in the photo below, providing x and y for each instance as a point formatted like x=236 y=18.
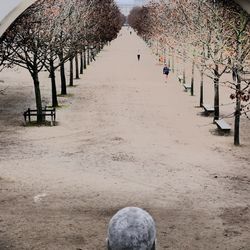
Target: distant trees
x=52 y=32
x=213 y=34
x=139 y=18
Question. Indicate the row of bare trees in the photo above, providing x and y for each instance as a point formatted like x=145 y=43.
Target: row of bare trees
x=212 y=34
x=52 y=32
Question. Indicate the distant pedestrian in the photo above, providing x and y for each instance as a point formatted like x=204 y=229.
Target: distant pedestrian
x=130 y=32
x=166 y=71
x=138 y=55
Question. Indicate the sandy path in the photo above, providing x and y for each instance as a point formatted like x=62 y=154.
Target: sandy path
x=125 y=138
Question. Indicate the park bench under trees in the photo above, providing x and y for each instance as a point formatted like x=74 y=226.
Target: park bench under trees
x=49 y=34
x=208 y=109
x=46 y=112
x=186 y=87
x=181 y=80
x=222 y=125
x=200 y=27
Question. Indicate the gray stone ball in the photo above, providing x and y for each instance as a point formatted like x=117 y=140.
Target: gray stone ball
x=131 y=228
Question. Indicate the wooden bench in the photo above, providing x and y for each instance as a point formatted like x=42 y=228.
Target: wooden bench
x=208 y=109
x=51 y=112
x=222 y=125
x=186 y=87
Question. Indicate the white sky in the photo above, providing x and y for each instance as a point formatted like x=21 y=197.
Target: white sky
x=6 y=6
x=125 y=1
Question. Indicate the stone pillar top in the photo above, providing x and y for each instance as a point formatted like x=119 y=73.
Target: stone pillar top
x=18 y=8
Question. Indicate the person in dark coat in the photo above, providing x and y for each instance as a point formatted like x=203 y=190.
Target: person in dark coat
x=166 y=71
x=138 y=55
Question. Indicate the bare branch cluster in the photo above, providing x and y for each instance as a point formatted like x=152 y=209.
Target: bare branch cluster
x=52 y=32
x=213 y=34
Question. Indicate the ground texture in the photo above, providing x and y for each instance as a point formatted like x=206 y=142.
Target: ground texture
x=124 y=138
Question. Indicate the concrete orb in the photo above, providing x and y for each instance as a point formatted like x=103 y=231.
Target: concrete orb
x=131 y=228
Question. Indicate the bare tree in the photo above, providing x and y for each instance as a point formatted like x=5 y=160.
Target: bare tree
x=51 y=32
x=213 y=35
x=26 y=42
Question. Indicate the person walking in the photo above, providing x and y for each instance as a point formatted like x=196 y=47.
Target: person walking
x=166 y=71
x=138 y=55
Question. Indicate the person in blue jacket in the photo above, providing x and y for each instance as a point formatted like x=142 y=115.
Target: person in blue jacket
x=166 y=71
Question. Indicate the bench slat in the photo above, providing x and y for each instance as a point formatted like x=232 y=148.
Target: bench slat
x=186 y=86
x=208 y=108
x=222 y=124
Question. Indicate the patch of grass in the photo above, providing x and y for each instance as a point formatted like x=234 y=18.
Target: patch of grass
x=68 y=95
x=218 y=132
x=60 y=106
x=43 y=124
x=63 y=106
x=74 y=86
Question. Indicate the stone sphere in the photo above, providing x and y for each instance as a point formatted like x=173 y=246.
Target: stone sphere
x=131 y=228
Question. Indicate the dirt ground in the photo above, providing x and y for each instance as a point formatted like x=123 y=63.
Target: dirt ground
x=124 y=138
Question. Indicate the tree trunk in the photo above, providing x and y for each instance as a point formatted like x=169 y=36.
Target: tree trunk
x=38 y=97
x=202 y=88
x=192 y=79
x=208 y=52
x=237 y=114
x=184 y=68
x=71 y=74
x=81 y=63
x=84 y=58
x=238 y=73
x=164 y=56
x=216 y=93
x=88 y=55
x=177 y=65
x=53 y=84
x=173 y=54
x=169 y=57
x=63 y=80
x=202 y=77
x=91 y=55
x=99 y=48
x=77 y=66
x=62 y=74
